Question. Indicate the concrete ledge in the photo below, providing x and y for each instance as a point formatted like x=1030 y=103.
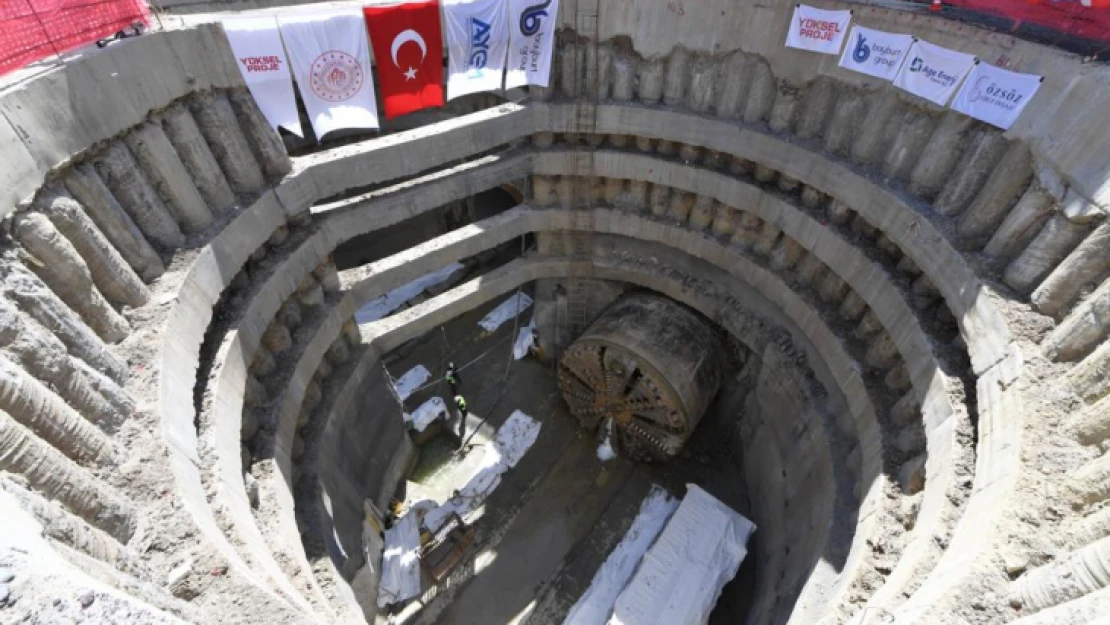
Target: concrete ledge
x=472 y=239
x=184 y=330
x=867 y=279
x=54 y=117
x=510 y=122
x=996 y=473
x=402 y=155
x=984 y=329
x=218 y=263
x=343 y=221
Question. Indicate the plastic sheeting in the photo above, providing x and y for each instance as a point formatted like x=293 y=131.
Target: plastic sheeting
x=525 y=340
x=427 y=413
x=413 y=379
x=513 y=440
x=505 y=311
x=400 y=562
x=681 y=576
x=605 y=451
x=596 y=605
x=386 y=304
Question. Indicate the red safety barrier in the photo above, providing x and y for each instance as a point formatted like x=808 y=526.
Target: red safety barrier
x=31 y=30
x=1083 y=19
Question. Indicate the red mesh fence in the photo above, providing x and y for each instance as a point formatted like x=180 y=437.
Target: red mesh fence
x=35 y=29
x=1048 y=19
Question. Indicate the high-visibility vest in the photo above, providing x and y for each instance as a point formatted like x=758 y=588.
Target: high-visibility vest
x=450 y=378
x=460 y=402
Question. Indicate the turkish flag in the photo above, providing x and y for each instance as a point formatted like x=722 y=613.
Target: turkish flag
x=408 y=49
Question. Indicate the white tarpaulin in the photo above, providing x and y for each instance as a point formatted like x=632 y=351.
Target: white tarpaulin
x=681 y=576
x=377 y=308
x=400 y=562
x=330 y=53
x=875 y=52
x=525 y=340
x=477 y=42
x=531 y=39
x=505 y=311
x=995 y=95
x=818 y=30
x=256 y=44
x=513 y=440
x=596 y=605
x=933 y=72
x=427 y=413
x=413 y=379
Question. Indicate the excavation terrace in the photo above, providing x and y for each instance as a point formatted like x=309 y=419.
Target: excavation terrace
x=873 y=326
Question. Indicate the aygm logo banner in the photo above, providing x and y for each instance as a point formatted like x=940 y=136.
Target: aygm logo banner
x=531 y=39
x=996 y=96
x=256 y=44
x=477 y=42
x=818 y=30
x=933 y=72
x=875 y=52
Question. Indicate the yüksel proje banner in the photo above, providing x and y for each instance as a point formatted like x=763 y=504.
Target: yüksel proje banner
x=408 y=48
x=256 y=44
x=531 y=41
x=477 y=42
x=818 y=30
x=933 y=72
x=331 y=62
x=995 y=95
x=875 y=52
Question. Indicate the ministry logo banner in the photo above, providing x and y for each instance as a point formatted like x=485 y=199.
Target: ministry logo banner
x=818 y=30
x=933 y=72
x=995 y=95
x=477 y=42
x=875 y=52
x=256 y=44
x=531 y=39
x=330 y=55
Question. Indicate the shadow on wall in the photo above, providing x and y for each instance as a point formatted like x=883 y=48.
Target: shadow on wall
x=383 y=243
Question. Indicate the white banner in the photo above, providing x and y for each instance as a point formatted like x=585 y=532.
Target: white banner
x=933 y=72
x=818 y=30
x=256 y=44
x=477 y=42
x=330 y=54
x=995 y=95
x=531 y=39
x=875 y=52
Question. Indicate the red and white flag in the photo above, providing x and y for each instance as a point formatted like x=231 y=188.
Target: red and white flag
x=408 y=49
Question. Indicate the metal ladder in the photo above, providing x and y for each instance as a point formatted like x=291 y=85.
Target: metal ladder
x=584 y=122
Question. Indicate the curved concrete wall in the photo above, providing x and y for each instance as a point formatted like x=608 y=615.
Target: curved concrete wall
x=137 y=238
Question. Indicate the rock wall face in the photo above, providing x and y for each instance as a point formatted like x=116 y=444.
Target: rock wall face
x=926 y=298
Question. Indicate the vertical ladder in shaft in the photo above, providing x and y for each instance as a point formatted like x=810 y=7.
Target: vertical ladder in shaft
x=583 y=123
x=584 y=119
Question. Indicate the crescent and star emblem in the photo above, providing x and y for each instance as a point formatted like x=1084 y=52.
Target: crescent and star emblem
x=401 y=39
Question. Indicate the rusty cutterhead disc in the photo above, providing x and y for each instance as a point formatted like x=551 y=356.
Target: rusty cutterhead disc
x=602 y=381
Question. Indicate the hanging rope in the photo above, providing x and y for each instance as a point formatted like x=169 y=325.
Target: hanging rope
x=508 y=363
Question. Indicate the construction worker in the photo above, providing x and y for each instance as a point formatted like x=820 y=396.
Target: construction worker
x=460 y=403
x=452 y=378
